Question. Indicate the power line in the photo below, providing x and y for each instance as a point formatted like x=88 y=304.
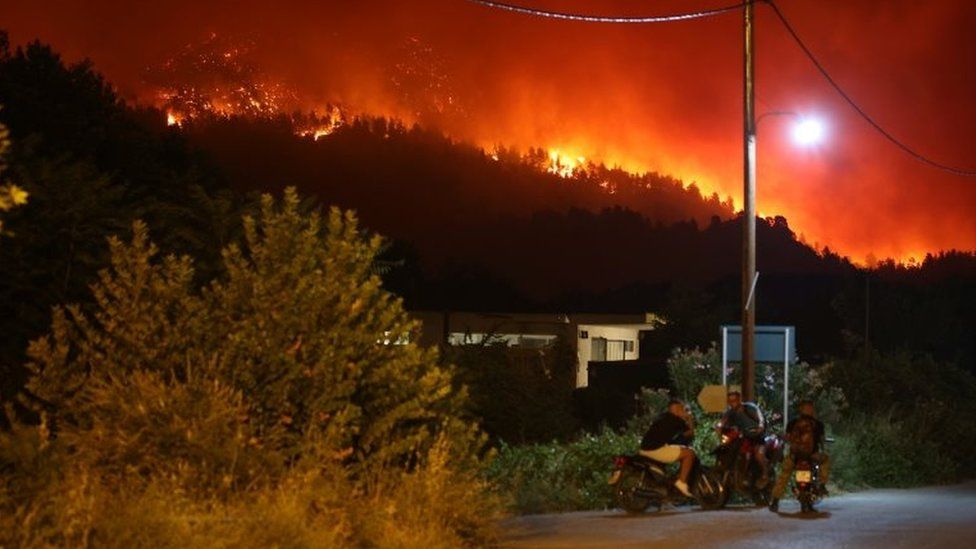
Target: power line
x=901 y=145
x=638 y=19
x=718 y=11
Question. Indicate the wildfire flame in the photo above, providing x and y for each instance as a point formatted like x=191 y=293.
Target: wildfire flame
x=173 y=119
x=322 y=126
x=564 y=165
x=221 y=79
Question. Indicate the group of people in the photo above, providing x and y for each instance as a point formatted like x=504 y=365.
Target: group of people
x=668 y=440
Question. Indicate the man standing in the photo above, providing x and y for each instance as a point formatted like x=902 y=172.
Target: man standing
x=660 y=443
x=806 y=436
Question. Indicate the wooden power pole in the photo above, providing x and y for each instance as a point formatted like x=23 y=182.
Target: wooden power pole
x=749 y=212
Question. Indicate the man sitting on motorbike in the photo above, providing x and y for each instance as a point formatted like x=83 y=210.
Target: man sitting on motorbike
x=806 y=437
x=659 y=443
x=748 y=418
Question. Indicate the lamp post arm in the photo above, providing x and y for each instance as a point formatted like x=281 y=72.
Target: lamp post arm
x=776 y=113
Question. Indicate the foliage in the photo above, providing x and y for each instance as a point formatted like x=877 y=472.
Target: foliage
x=274 y=393
x=540 y=478
x=916 y=402
x=519 y=395
x=882 y=450
x=572 y=475
x=432 y=505
x=92 y=165
x=692 y=369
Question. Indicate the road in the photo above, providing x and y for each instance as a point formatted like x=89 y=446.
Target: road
x=943 y=517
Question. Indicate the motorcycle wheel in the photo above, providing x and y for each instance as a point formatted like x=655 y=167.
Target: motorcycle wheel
x=625 y=493
x=711 y=491
x=728 y=486
x=806 y=502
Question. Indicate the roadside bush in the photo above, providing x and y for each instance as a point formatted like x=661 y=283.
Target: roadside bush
x=913 y=420
x=691 y=369
x=882 y=451
x=541 y=478
x=270 y=408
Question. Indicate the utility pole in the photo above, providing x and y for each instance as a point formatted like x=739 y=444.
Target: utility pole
x=867 y=315
x=749 y=211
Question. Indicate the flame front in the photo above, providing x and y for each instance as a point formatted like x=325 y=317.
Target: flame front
x=322 y=126
x=173 y=119
x=565 y=165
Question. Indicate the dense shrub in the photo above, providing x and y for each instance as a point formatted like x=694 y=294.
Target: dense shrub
x=552 y=477
x=883 y=451
x=913 y=420
x=277 y=405
x=519 y=395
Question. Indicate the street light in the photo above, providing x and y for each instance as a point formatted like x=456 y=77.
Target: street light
x=809 y=131
x=806 y=131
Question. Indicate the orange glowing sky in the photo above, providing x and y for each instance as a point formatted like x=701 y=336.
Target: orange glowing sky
x=663 y=97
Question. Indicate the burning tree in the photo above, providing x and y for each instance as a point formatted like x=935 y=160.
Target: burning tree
x=217 y=77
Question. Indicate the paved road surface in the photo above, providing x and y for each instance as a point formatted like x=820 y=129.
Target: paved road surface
x=943 y=517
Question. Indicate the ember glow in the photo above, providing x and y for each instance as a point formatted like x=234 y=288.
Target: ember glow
x=662 y=98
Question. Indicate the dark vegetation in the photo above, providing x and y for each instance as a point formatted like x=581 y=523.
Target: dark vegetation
x=468 y=233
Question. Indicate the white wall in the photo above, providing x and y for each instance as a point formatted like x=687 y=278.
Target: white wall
x=584 y=346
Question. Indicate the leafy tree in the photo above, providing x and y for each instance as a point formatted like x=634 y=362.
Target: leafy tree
x=91 y=165
x=298 y=324
x=282 y=403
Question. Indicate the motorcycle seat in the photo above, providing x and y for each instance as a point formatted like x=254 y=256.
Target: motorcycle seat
x=648 y=461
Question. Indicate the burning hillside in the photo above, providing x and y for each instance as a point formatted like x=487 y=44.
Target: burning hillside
x=219 y=78
x=586 y=93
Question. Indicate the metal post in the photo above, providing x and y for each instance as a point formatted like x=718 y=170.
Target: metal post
x=748 y=210
x=725 y=356
x=786 y=377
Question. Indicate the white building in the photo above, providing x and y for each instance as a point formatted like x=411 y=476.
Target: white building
x=594 y=337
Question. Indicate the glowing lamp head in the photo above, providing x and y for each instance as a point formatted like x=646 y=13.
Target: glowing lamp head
x=808 y=131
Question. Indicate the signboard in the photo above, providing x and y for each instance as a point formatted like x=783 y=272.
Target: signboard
x=771 y=341
x=772 y=344
x=712 y=398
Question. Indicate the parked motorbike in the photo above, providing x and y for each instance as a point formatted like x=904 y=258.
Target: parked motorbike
x=640 y=482
x=738 y=469
x=806 y=483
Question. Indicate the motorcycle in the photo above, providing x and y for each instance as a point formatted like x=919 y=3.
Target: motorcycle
x=640 y=482
x=738 y=469
x=806 y=483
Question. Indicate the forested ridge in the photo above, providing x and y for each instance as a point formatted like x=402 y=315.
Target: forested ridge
x=468 y=229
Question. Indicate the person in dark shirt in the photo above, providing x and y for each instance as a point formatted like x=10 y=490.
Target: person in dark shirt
x=806 y=436
x=748 y=418
x=688 y=437
x=660 y=442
